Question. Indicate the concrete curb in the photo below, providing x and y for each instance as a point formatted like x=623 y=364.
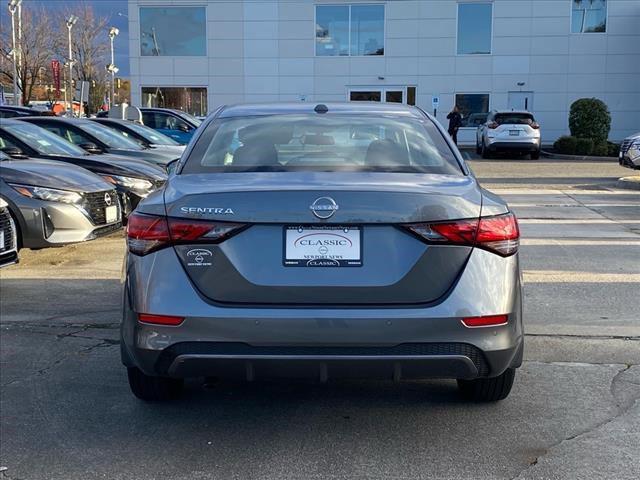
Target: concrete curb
x=629 y=183
x=577 y=158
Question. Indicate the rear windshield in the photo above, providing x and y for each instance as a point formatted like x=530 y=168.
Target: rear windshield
x=312 y=142
x=514 y=118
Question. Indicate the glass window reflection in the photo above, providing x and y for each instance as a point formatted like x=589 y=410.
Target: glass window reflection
x=172 y=31
x=474 y=28
x=343 y=30
x=589 y=16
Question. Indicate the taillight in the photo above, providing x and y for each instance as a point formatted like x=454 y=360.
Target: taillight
x=535 y=125
x=146 y=233
x=498 y=234
x=493 y=125
x=487 y=321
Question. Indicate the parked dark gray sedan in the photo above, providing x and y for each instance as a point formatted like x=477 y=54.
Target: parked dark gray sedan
x=98 y=139
x=322 y=241
x=55 y=204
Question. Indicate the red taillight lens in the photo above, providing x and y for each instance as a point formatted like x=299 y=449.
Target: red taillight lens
x=493 y=125
x=535 y=125
x=488 y=321
x=499 y=234
x=160 y=319
x=146 y=233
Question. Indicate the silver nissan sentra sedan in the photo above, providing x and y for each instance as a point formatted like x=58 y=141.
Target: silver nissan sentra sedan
x=322 y=241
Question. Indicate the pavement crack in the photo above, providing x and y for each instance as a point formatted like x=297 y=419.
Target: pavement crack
x=103 y=343
x=622 y=408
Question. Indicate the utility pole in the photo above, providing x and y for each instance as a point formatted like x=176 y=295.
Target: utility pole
x=71 y=21
x=111 y=68
x=14 y=6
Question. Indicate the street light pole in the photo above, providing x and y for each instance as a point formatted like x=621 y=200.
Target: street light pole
x=71 y=21
x=13 y=6
x=111 y=68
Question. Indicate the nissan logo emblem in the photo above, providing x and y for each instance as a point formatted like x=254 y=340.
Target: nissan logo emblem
x=324 y=207
x=107 y=199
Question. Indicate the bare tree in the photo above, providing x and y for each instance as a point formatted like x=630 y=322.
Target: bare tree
x=36 y=49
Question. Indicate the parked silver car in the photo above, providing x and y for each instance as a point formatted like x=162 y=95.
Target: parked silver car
x=54 y=204
x=8 y=237
x=509 y=131
x=630 y=152
x=322 y=256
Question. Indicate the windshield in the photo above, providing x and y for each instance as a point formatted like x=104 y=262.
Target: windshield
x=322 y=143
x=190 y=118
x=43 y=141
x=151 y=135
x=109 y=137
x=514 y=118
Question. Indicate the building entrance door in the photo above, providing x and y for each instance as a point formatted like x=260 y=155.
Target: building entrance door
x=521 y=101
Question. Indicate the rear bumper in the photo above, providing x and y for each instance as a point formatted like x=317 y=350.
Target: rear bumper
x=405 y=361
x=254 y=342
x=532 y=145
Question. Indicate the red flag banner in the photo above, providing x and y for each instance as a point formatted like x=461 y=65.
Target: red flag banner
x=55 y=68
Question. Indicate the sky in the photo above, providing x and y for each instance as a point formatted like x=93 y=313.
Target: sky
x=107 y=8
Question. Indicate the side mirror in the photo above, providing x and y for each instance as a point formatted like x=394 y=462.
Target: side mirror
x=90 y=147
x=15 y=152
x=184 y=127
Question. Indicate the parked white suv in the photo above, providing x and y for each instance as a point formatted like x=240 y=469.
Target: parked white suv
x=509 y=131
x=630 y=152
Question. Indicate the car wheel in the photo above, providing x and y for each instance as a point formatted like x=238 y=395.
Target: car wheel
x=485 y=151
x=478 y=149
x=488 y=389
x=535 y=155
x=153 y=389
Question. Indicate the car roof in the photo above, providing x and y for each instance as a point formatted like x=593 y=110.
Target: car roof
x=17 y=108
x=523 y=112
x=161 y=109
x=370 y=108
x=56 y=119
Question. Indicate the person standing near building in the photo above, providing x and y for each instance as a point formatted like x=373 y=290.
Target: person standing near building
x=455 y=120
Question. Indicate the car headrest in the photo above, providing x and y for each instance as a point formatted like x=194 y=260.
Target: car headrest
x=386 y=153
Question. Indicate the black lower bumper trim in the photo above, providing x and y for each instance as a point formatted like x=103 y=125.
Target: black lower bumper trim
x=413 y=360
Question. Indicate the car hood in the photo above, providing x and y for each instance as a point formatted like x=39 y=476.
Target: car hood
x=51 y=174
x=155 y=156
x=174 y=151
x=635 y=136
x=117 y=165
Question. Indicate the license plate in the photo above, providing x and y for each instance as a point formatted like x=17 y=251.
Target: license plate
x=1 y=240
x=514 y=133
x=325 y=246
x=111 y=214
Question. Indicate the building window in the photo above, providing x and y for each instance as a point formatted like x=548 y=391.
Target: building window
x=192 y=100
x=474 y=28
x=173 y=31
x=472 y=106
x=589 y=16
x=343 y=30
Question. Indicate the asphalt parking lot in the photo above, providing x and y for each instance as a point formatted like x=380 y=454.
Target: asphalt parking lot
x=574 y=413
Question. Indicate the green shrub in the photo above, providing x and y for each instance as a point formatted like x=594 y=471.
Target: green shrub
x=590 y=118
x=612 y=149
x=600 y=149
x=584 y=146
x=566 y=145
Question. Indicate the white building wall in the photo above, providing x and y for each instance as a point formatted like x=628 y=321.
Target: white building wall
x=265 y=51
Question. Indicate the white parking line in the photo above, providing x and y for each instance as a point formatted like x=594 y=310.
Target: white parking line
x=586 y=221
x=577 y=242
x=563 y=276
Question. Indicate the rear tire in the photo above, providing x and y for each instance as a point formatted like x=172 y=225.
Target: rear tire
x=535 y=155
x=153 y=389
x=488 y=389
x=485 y=151
x=478 y=149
